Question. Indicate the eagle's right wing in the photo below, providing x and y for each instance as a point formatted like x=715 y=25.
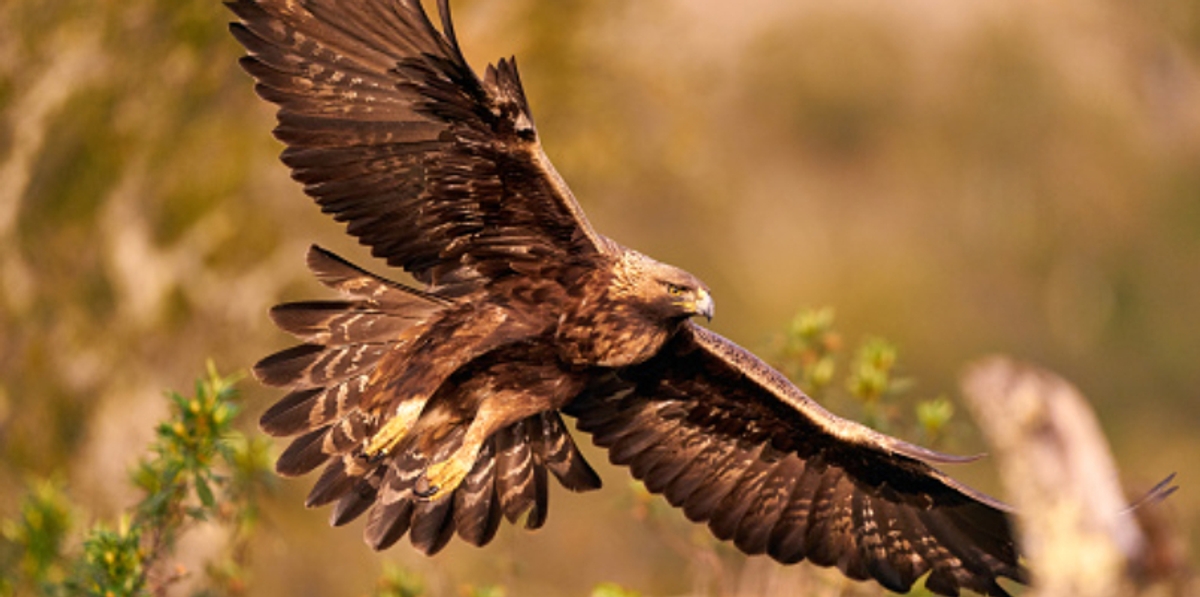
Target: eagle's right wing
x=730 y=441
x=391 y=132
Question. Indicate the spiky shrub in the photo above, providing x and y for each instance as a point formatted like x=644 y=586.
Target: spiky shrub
x=200 y=469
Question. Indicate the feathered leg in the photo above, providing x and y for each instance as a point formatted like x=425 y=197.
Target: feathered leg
x=403 y=418
x=507 y=387
x=495 y=412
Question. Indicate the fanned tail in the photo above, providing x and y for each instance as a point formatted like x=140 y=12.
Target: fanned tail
x=508 y=480
x=329 y=374
x=330 y=377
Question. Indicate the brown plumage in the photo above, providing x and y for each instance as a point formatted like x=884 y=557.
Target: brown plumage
x=436 y=411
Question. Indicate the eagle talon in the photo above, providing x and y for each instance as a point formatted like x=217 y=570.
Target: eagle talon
x=440 y=479
x=387 y=438
x=424 y=490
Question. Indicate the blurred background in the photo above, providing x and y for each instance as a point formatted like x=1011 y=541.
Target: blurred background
x=962 y=178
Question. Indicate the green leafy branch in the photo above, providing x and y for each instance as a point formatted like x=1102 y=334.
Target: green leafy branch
x=196 y=457
x=811 y=354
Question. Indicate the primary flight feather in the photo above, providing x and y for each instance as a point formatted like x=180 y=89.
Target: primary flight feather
x=438 y=411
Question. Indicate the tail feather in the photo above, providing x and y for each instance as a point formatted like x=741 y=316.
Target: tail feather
x=290 y=415
x=476 y=507
x=333 y=484
x=432 y=525
x=303 y=454
x=346 y=434
x=314 y=366
x=343 y=322
x=562 y=456
x=535 y=438
x=353 y=281
x=391 y=516
x=330 y=373
x=306 y=409
x=515 y=478
x=356 y=501
x=387 y=523
x=507 y=480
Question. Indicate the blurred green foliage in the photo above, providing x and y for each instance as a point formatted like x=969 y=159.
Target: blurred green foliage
x=32 y=543
x=398 y=582
x=810 y=346
x=114 y=564
x=200 y=470
x=810 y=351
x=613 y=590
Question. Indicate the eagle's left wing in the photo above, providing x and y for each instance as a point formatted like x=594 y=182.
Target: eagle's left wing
x=732 y=442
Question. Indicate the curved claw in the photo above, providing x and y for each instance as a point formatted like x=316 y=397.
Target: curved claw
x=424 y=490
x=441 y=479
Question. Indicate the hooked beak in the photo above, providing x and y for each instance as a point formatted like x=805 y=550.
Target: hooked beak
x=704 y=304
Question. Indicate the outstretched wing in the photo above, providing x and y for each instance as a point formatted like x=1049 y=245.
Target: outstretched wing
x=392 y=132
x=732 y=442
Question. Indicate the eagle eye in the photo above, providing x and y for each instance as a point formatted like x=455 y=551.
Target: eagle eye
x=675 y=289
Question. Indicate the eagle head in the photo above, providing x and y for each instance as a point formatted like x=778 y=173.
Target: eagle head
x=666 y=292
x=683 y=295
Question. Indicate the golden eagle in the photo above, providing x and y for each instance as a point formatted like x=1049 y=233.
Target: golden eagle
x=437 y=411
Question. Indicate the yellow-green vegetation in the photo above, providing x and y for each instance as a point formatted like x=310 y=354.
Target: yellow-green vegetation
x=613 y=590
x=810 y=351
x=200 y=469
x=33 y=541
x=398 y=582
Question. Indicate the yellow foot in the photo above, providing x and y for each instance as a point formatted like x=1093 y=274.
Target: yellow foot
x=442 y=478
x=394 y=429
